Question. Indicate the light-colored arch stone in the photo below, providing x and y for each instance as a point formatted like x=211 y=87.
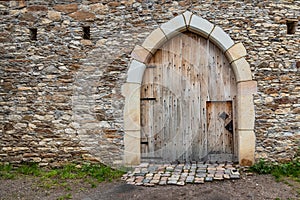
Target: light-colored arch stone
x=235 y=54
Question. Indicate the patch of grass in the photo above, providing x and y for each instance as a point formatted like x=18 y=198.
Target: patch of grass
x=6 y=172
x=290 y=169
x=101 y=172
x=66 y=196
x=30 y=169
x=56 y=177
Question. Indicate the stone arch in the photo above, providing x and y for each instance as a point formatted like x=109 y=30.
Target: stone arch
x=235 y=54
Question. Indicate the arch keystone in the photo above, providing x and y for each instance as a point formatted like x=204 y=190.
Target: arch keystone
x=187 y=17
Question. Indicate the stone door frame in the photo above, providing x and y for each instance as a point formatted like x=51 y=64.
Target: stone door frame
x=235 y=53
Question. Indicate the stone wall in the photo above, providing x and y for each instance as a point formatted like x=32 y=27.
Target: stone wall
x=60 y=95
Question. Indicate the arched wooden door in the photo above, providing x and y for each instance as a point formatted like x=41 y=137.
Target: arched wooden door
x=187 y=103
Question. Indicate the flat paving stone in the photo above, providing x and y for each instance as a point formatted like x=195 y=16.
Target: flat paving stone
x=201 y=175
x=172 y=182
x=166 y=175
x=192 y=174
x=201 y=170
x=218 y=177
x=199 y=180
x=152 y=169
x=226 y=176
x=190 y=179
x=146 y=181
x=154 y=181
x=162 y=183
x=209 y=179
x=180 y=183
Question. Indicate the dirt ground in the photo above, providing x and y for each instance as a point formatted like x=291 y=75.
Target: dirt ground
x=253 y=187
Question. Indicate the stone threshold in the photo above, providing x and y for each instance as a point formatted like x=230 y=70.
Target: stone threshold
x=147 y=174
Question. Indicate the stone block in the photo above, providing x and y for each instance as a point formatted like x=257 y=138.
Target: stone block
x=22 y=3
x=236 y=52
x=200 y=26
x=226 y=176
x=132 y=146
x=246 y=140
x=54 y=16
x=247 y=88
x=66 y=8
x=131 y=91
x=218 y=177
x=162 y=182
x=154 y=181
x=187 y=17
x=190 y=179
x=174 y=26
x=172 y=182
x=241 y=70
x=245 y=105
x=83 y=16
x=181 y=183
x=140 y=54
x=246 y=113
x=37 y=8
x=221 y=39
x=86 y=42
x=199 y=180
x=208 y=179
x=136 y=72
x=154 y=40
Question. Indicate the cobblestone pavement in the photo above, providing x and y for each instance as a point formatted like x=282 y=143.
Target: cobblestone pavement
x=180 y=174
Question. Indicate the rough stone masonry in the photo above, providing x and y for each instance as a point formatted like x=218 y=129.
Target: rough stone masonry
x=60 y=83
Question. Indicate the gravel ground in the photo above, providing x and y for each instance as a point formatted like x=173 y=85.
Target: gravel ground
x=253 y=187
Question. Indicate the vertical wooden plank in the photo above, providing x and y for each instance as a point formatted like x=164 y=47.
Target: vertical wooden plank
x=144 y=117
x=157 y=112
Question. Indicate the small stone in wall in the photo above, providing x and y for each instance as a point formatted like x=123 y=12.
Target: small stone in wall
x=36 y=8
x=53 y=15
x=68 y=8
x=45 y=21
x=86 y=42
x=269 y=99
x=83 y=16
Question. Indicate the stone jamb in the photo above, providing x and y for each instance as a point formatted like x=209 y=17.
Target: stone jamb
x=236 y=55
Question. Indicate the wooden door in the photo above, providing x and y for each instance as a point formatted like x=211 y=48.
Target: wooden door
x=220 y=127
x=179 y=81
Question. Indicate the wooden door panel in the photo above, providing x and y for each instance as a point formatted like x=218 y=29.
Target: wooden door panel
x=182 y=76
x=219 y=116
